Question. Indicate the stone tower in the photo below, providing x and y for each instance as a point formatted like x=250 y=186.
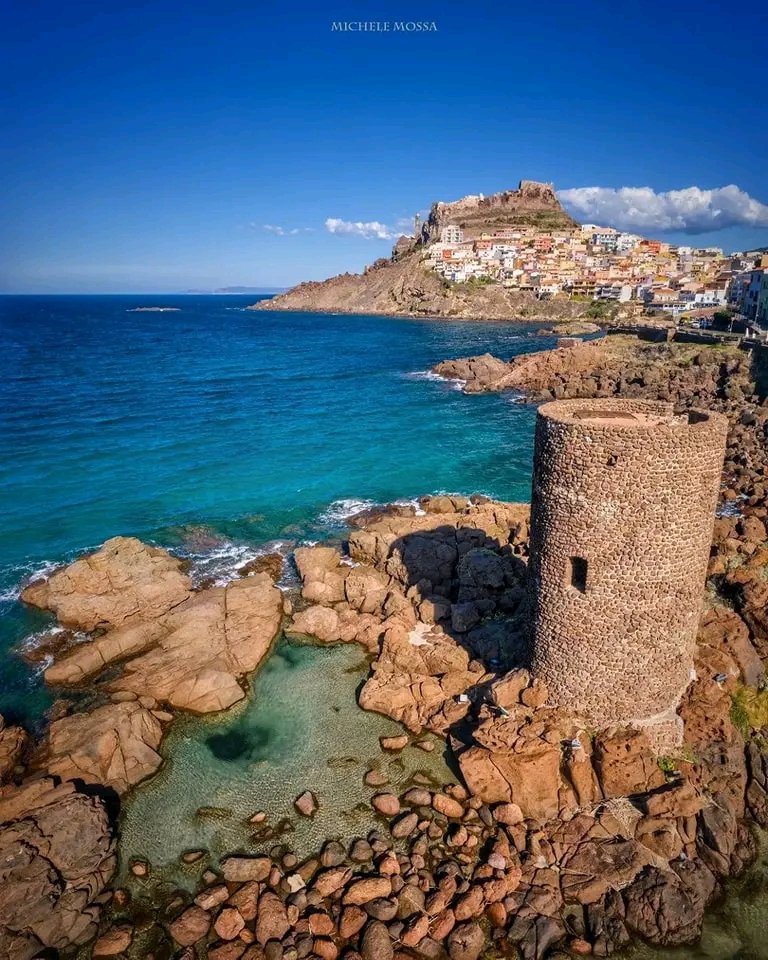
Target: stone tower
x=624 y=495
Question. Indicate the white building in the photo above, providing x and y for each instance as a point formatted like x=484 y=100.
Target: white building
x=451 y=233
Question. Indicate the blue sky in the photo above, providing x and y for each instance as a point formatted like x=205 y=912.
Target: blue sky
x=149 y=146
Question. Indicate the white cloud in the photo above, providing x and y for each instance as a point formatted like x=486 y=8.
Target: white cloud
x=691 y=210
x=281 y=231
x=370 y=230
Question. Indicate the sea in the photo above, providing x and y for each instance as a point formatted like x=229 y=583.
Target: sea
x=223 y=433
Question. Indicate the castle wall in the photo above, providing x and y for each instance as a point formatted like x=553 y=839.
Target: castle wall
x=624 y=497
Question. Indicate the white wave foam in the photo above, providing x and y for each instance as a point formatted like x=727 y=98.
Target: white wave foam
x=430 y=375
x=340 y=511
x=221 y=564
x=413 y=502
x=25 y=574
x=423 y=375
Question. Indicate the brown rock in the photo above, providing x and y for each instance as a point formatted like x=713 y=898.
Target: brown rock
x=306 y=804
x=325 y=948
x=367 y=889
x=375 y=778
x=125 y=581
x=328 y=882
x=394 y=743
x=113 y=941
x=115 y=745
x=229 y=923
x=508 y=814
x=212 y=897
x=387 y=804
x=270 y=563
x=13 y=742
x=375 y=943
x=233 y=950
x=447 y=806
x=320 y=622
x=466 y=942
x=352 y=921
x=272 y=920
x=239 y=869
x=189 y=928
x=404 y=825
x=216 y=638
x=57 y=855
x=625 y=764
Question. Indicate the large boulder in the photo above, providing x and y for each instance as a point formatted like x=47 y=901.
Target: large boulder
x=625 y=763
x=115 y=745
x=192 y=658
x=57 y=854
x=418 y=677
x=125 y=581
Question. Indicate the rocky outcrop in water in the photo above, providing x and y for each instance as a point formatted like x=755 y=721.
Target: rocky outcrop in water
x=124 y=582
x=13 y=743
x=57 y=854
x=563 y=837
x=617 y=365
x=115 y=745
x=189 y=650
x=620 y=842
x=154 y=643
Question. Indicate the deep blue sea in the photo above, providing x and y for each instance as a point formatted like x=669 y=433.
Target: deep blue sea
x=215 y=430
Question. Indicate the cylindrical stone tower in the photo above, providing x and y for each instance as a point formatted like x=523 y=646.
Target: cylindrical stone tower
x=624 y=496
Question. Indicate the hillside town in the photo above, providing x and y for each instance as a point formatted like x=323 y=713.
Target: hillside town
x=598 y=263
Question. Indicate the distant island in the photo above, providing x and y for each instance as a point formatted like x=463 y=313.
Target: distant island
x=154 y=310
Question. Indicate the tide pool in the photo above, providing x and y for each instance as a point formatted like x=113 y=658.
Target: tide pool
x=300 y=730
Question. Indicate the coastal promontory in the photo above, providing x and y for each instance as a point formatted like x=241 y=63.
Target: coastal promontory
x=404 y=284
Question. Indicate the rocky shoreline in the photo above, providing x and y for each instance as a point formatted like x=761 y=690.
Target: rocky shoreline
x=562 y=840
x=404 y=287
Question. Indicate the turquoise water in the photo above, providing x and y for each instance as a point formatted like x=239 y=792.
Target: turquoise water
x=215 y=429
x=300 y=730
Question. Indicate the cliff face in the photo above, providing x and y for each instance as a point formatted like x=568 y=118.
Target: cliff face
x=404 y=285
x=531 y=205
x=408 y=287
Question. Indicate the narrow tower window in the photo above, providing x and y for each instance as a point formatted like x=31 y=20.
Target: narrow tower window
x=576 y=574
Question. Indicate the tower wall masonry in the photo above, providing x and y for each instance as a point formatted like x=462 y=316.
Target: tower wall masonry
x=623 y=505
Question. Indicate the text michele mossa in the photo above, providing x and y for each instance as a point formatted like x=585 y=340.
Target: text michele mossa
x=384 y=26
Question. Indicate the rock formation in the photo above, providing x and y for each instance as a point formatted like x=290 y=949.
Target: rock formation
x=187 y=650
x=404 y=284
x=57 y=854
x=123 y=582
x=407 y=286
x=565 y=837
x=115 y=745
x=165 y=646
x=533 y=204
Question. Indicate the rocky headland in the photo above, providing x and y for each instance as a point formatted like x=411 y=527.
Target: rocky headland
x=404 y=285
x=560 y=840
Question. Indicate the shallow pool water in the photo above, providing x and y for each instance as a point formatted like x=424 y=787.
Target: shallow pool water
x=301 y=729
